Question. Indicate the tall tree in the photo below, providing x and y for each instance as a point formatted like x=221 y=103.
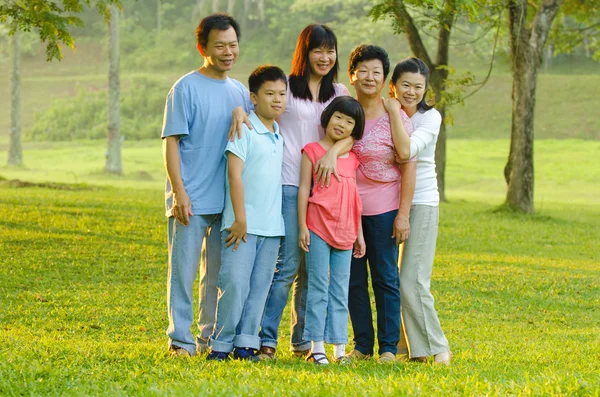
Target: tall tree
x=113 y=151
x=15 y=151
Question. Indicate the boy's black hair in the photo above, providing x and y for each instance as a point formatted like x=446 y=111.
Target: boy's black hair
x=265 y=73
x=220 y=21
x=350 y=107
x=413 y=65
x=366 y=52
x=313 y=36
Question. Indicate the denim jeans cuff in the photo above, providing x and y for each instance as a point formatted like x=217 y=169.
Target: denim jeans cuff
x=269 y=343
x=388 y=349
x=251 y=341
x=309 y=338
x=300 y=347
x=218 y=346
x=336 y=341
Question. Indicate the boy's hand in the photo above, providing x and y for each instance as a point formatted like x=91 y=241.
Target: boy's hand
x=304 y=238
x=360 y=247
x=238 y=117
x=182 y=206
x=237 y=233
x=401 y=230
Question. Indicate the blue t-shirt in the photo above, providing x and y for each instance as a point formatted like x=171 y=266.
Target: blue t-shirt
x=262 y=154
x=198 y=109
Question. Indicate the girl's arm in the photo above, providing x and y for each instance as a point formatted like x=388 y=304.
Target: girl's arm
x=303 y=194
x=237 y=231
x=360 y=247
x=401 y=230
x=399 y=135
x=327 y=164
x=238 y=117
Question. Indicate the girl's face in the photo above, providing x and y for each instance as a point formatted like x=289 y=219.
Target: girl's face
x=321 y=60
x=367 y=78
x=340 y=126
x=409 y=89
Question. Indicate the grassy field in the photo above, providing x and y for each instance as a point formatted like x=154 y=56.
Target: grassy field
x=82 y=285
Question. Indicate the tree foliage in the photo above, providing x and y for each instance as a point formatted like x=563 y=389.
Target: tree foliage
x=52 y=20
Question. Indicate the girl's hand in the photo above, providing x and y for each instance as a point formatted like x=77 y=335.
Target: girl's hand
x=237 y=233
x=304 y=238
x=238 y=117
x=391 y=105
x=360 y=247
x=401 y=230
x=325 y=167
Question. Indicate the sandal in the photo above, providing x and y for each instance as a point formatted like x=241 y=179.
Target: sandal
x=266 y=353
x=317 y=358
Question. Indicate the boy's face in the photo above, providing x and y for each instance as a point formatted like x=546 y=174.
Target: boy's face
x=221 y=50
x=270 y=100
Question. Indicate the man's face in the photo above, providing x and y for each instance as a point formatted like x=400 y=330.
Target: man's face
x=221 y=50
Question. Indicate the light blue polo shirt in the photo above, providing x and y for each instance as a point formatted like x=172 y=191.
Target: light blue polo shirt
x=198 y=110
x=262 y=153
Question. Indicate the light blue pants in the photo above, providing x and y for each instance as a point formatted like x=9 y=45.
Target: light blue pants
x=328 y=272
x=244 y=281
x=291 y=268
x=198 y=242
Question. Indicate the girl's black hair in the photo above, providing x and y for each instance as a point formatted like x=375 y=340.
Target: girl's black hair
x=413 y=65
x=313 y=36
x=350 y=107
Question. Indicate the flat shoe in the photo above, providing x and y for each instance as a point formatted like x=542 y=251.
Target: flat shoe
x=443 y=358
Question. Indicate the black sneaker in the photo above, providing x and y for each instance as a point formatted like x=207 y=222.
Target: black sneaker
x=217 y=356
x=245 y=353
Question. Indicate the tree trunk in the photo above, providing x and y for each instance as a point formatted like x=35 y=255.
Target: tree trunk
x=215 y=6
x=113 y=151
x=230 y=6
x=526 y=46
x=15 y=151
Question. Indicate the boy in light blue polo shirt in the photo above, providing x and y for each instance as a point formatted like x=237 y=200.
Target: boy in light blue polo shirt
x=252 y=223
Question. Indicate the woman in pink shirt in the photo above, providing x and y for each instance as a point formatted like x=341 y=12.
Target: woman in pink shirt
x=386 y=206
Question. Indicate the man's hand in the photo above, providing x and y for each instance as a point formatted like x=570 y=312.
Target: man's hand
x=360 y=247
x=304 y=238
x=325 y=167
x=237 y=233
x=238 y=117
x=401 y=230
x=182 y=206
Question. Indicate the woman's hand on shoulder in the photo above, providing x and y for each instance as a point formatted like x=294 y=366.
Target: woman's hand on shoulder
x=391 y=105
x=326 y=166
x=238 y=117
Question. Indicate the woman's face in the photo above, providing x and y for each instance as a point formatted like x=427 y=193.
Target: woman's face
x=321 y=60
x=409 y=89
x=367 y=78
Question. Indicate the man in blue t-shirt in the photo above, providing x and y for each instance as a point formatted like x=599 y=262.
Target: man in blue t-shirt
x=196 y=123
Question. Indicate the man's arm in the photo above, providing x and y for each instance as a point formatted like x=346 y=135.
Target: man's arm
x=182 y=206
x=407 y=191
x=238 y=230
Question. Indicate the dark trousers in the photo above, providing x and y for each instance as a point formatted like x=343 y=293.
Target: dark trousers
x=382 y=258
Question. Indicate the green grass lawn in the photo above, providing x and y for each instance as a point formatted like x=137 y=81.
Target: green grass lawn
x=83 y=285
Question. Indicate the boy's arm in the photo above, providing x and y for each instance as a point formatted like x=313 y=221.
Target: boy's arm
x=399 y=135
x=407 y=191
x=327 y=164
x=303 y=194
x=182 y=206
x=237 y=231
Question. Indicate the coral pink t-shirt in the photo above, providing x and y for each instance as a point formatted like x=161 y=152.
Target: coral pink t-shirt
x=334 y=212
x=378 y=176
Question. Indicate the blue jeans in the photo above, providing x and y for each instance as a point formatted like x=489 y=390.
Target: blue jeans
x=382 y=257
x=291 y=268
x=244 y=282
x=186 y=244
x=328 y=271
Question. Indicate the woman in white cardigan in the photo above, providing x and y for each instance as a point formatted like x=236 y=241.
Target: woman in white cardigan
x=409 y=84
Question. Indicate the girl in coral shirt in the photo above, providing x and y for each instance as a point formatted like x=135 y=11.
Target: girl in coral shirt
x=330 y=225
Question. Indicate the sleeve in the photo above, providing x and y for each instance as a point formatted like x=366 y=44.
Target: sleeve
x=248 y=105
x=341 y=90
x=426 y=132
x=309 y=149
x=177 y=114
x=240 y=146
x=356 y=160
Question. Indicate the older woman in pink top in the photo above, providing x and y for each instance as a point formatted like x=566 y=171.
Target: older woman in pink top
x=386 y=206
